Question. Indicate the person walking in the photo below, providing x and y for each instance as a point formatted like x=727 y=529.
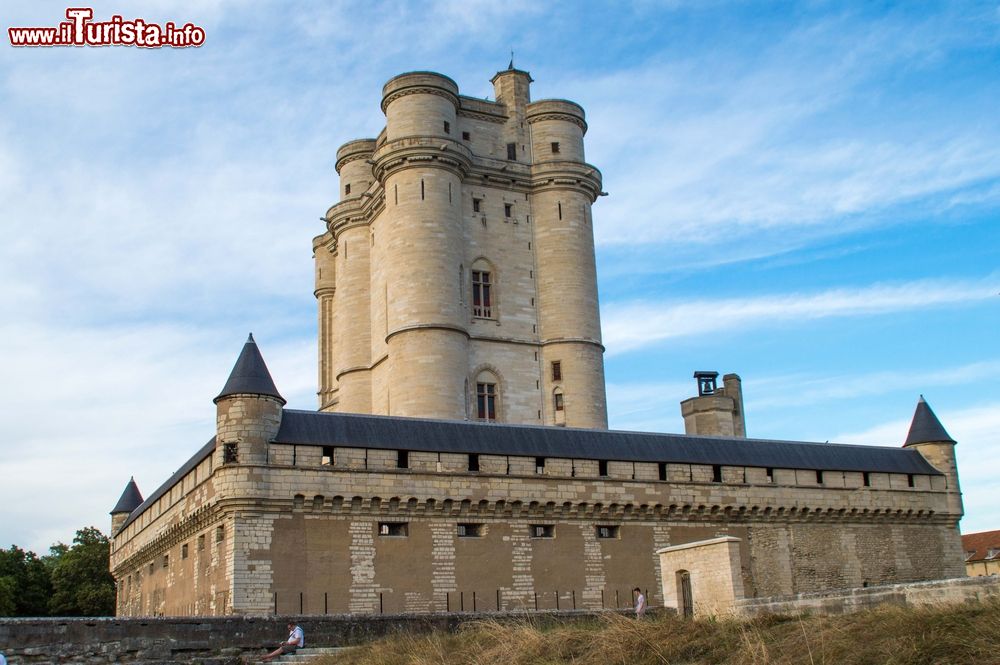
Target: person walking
x=640 y=603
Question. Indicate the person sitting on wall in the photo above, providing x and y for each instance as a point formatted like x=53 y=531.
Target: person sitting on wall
x=296 y=640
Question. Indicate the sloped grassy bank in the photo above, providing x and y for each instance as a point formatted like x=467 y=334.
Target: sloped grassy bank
x=959 y=635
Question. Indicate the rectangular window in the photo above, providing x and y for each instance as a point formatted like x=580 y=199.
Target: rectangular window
x=556 y=370
x=470 y=530
x=542 y=531
x=539 y=465
x=486 y=401
x=152 y=568
x=166 y=560
x=512 y=151
x=482 y=296
x=421 y=190
x=508 y=209
x=819 y=477
x=184 y=551
x=477 y=205
x=770 y=474
x=220 y=534
x=466 y=136
x=867 y=479
x=347 y=188
x=473 y=462
x=909 y=480
x=602 y=468
x=663 y=470
x=447 y=127
x=716 y=473
x=400 y=529
x=555 y=147
x=230 y=453
x=558 y=401
x=609 y=531
x=327 y=458
x=201 y=542
x=402 y=459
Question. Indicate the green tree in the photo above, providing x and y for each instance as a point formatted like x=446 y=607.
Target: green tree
x=24 y=583
x=81 y=582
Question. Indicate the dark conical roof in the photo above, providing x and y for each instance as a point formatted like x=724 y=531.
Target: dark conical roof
x=250 y=375
x=130 y=499
x=926 y=428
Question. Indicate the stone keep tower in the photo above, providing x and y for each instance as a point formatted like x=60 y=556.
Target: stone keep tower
x=456 y=277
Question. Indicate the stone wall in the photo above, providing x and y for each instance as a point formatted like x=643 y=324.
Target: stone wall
x=208 y=640
x=935 y=592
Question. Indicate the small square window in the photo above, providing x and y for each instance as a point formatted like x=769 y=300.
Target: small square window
x=607 y=531
x=555 y=147
x=447 y=127
x=327 y=458
x=512 y=151
x=556 y=370
x=230 y=453
x=477 y=205
x=466 y=136
x=508 y=209
x=543 y=531
x=470 y=530
x=397 y=529
x=347 y=188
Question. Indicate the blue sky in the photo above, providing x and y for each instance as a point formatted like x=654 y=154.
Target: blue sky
x=807 y=194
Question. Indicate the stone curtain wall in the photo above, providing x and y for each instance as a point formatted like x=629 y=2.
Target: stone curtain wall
x=208 y=640
x=936 y=592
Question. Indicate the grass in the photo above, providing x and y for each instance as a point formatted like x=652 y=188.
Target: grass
x=947 y=635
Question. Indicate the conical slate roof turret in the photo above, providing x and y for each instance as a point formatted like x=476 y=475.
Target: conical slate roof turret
x=926 y=428
x=250 y=375
x=130 y=499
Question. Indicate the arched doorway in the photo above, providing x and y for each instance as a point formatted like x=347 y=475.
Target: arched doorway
x=685 y=602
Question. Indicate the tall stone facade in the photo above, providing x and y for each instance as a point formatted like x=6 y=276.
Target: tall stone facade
x=456 y=277
x=456 y=283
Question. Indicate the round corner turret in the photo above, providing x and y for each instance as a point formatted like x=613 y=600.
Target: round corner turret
x=420 y=104
x=557 y=130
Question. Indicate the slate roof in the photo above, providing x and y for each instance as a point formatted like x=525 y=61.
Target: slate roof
x=980 y=545
x=250 y=375
x=925 y=427
x=417 y=434
x=175 y=478
x=130 y=499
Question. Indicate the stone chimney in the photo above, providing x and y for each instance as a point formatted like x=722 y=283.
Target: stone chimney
x=715 y=411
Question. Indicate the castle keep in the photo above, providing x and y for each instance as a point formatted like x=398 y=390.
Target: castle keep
x=460 y=459
x=456 y=278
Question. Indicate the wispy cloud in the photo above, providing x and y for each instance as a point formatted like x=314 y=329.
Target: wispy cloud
x=632 y=326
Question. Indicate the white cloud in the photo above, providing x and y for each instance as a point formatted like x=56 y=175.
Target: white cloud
x=631 y=326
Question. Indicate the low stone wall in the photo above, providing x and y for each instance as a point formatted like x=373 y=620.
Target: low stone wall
x=937 y=592
x=213 y=640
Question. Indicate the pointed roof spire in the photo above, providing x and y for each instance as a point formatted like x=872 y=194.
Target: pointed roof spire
x=130 y=499
x=511 y=65
x=925 y=427
x=250 y=375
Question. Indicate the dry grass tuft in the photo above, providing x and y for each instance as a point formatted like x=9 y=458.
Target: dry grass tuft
x=954 y=635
